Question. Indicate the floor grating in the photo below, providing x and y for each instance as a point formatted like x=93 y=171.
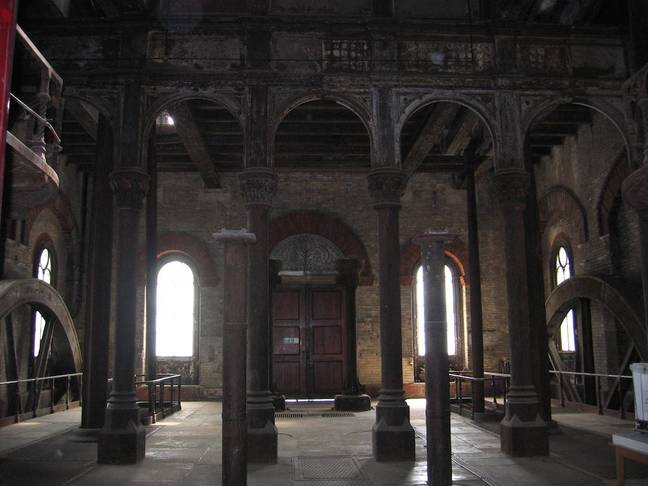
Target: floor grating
x=313 y=414
x=327 y=468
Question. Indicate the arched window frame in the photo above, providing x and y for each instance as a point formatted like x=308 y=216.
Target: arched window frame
x=169 y=257
x=44 y=244
x=457 y=361
x=568 y=328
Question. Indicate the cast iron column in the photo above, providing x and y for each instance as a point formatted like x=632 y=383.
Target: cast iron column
x=95 y=372
x=392 y=434
x=352 y=400
x=635 y=194
x=437 y=392
x=151 y=263
x=474 y=271
x=523 y=432
x=121 y=440
x=259 y=186
x=235 y=258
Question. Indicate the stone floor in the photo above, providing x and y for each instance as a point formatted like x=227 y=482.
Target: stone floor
x=315 y=450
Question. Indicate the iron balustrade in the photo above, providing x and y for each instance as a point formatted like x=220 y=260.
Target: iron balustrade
x=501 y=381
x=164 y=395
x=35 y=384
x=498 y=381
x=600 y=405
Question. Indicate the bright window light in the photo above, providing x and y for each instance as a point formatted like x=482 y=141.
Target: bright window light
x=567 y=335
x=563 y=267
x=175 y=310
x=451 y=317
x=44 y=273
x=165 y=119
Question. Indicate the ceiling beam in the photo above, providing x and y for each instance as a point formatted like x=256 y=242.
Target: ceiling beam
x=430 y=135
x=84 y=116
x=189 y=134
x=464 y=135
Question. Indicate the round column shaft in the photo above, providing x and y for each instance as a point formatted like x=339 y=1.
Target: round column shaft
x=122 y=438
x=393 y=435
x=235 y=265
x=523 y=431
x=258 y=186
x=437 y=394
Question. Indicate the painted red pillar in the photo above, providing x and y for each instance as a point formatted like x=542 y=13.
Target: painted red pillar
x=8 y=9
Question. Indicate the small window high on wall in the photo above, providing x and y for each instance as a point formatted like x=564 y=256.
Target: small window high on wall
x=452 y=317
x=175 y=310
x=563 y=268
x=44 y=270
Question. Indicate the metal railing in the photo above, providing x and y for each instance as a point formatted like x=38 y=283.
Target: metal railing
x=500 y=383
x=164 y=395
x=34 y=393
x=601 y=405
x=27 y=136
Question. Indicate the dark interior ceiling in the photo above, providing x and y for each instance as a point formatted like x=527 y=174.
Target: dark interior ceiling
x=567 y=12
x=322 y=134
x=319 y=135
x=550 y=131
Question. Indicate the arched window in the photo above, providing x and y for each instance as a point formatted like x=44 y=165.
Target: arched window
x=175 y=310
x=453 y=311
x=563 y=271
x=44 y=270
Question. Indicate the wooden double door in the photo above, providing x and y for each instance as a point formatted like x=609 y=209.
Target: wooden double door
x=309 y=340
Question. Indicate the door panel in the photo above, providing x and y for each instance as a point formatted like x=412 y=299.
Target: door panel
x=288 y=360
x=327 y=340
x=308 y=340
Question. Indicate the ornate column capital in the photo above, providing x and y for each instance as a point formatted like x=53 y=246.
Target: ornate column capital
x=130 y=185
x=512 y=187
x=386 y=185
x=635 y=191
x=258 y=185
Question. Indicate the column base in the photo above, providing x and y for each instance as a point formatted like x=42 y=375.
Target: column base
x=122 y=440
x=261 y=431
x=524 y=439
x=352 y=403
x=523 y=432
x=392 y=434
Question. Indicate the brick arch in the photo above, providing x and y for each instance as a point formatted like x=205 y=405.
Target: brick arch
x=329 y=227
x=181 y=243
x=611 y=192
x=410 y=258
x=560 y=203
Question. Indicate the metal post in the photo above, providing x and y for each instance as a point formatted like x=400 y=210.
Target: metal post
x=67 y=393
x=598 y=395
x=560 y=389
x=235 y=258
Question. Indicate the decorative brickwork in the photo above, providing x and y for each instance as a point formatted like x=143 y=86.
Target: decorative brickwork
x=334 y=230
x=560 y=203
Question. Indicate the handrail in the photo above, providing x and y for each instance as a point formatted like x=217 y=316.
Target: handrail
x=582 y=373
x=40 y=118
x=42 y=378
x=30 y=46
x=35 y=393
x=458 y=377
x=465 y=377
